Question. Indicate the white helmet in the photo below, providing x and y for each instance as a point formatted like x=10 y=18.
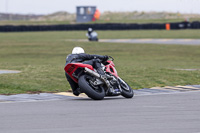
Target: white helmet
x=77 y=50
x=90 y=29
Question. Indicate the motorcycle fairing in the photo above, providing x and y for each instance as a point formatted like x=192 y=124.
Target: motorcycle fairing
x=72 y=67
x=111 y=68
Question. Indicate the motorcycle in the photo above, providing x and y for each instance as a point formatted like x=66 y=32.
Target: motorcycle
x=93 y=36
x=98 y=86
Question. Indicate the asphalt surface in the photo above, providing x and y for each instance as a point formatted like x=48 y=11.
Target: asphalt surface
x=161 y=113
x=147 y=41
x=8 y=71
x=155 y=41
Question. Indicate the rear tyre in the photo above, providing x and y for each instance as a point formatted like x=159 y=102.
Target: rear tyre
x=96 y=93
x=127 y=91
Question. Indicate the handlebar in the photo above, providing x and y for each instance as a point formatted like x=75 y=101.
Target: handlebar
x=110 y=57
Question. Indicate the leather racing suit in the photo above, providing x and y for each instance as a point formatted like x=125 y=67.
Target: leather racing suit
x=94 y=60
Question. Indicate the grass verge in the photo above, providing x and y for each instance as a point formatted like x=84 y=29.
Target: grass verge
x=41 y=58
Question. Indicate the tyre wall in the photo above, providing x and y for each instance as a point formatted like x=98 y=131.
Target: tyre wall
x=106 y=26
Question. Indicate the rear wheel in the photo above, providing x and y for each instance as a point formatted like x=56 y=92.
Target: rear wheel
x=127 y=91
x=94 y=92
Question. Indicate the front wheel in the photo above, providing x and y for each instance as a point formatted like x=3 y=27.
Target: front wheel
x=127 y=91
x=94 y=92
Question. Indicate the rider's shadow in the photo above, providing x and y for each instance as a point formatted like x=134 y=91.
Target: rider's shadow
x=105 y=98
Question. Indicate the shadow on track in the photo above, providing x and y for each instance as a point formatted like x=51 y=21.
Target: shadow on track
x=106 y=98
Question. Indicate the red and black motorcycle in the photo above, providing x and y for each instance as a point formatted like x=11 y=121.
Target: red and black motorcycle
x=98 y=86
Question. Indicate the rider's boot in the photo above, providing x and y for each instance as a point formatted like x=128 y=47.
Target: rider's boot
x=100 y=71
x=77 y=92
x=103 y=76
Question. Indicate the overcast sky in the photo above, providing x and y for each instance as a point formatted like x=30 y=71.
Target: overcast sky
x=50 y=6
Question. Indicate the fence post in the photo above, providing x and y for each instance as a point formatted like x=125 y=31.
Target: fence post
x=167 y=26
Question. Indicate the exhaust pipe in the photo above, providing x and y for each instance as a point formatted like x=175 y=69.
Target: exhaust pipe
x=95 y=74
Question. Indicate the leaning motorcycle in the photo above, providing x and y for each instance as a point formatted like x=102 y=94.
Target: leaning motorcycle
x=98 y=86
x=93 y=36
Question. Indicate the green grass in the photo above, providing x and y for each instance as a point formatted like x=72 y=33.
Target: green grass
x=41 y=58
x=190 y=34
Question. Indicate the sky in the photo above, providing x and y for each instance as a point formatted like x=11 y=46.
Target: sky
x=51 y=6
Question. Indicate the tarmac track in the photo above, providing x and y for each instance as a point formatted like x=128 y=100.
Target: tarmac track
x=147 y=41
x=153 y=113
x=155 y=41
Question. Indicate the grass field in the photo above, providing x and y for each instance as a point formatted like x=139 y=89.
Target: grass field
x=41 y=58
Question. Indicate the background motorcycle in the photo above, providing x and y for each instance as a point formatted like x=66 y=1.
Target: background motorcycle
x=93 y=36
x=98 y=86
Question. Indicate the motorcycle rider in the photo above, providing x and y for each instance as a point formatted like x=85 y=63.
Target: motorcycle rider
x=78 y=55
x=92 y=35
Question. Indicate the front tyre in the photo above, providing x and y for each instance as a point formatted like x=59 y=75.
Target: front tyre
x=127 y=91
x=94 y=92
